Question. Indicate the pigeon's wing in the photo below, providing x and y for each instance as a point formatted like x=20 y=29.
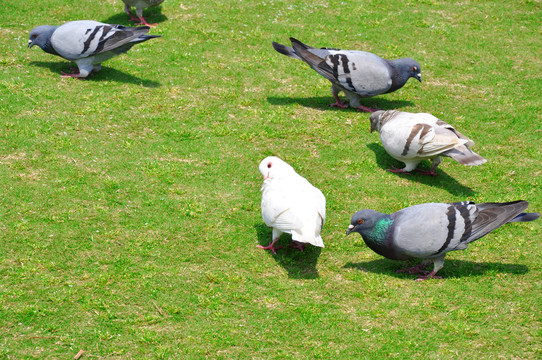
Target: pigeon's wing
x=441 y=140
x=493 y=215
x=406 y=138
x=360 y=72
x=277 y=207
x=79 y=39
x=430 y=230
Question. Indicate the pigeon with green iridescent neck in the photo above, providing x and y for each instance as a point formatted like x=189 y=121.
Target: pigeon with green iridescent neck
x=359 y=74
x=429 y=231
x=290 y=204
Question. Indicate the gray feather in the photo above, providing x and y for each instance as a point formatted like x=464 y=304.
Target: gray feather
x=429 y=231
x=358 y=74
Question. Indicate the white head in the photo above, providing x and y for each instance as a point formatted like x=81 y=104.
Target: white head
x=273 y=168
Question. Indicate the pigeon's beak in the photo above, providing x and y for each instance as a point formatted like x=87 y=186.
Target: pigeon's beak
x=419 y=77
x=30 y=44
x=350 y=229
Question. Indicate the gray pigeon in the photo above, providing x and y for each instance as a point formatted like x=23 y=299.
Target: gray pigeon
x=411 y=138
x=139 y=5
x=429 y=231
x=87 y=43
x=358 y=74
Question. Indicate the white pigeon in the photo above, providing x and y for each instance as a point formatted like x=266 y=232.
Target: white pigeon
x=411 y=138
x=290 y=204
x=139 y=5
x=87 y=43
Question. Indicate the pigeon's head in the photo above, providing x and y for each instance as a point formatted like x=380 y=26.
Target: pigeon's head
x=272 y=168
x=414 y=69
x=41 y=36
x=363 y=221
x=375 y=120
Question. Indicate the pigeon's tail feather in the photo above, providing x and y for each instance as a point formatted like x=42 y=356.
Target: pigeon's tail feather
x=463 y=155
x=146 y=37
x=524 y=217
x=493 y=215
x=302 y=237
x=316 y=62
x=285 y=50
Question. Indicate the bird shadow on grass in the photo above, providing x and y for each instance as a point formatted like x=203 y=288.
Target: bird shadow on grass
x=322 y=102
x=452 y=268
x=105 y=74
x=152 y=14
x=443 y=180
x=299 y=265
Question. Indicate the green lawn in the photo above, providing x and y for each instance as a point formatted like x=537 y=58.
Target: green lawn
x=130 y=202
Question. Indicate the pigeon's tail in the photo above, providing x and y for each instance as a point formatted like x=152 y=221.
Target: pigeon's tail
x=285 y=50
x=316 y=62
x=524 y=217
x=315 y=239
x=145 y=38
x=463 y=155
x=493 y=215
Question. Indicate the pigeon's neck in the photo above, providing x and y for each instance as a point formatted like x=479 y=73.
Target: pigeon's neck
x=46 y=45
x=400 y=73
x=379 y=237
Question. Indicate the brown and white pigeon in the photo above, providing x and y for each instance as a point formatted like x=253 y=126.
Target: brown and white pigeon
x=139 y=5
x=429 y=231
x=412 y=138
x=290 y=204
x=358 y=74
x=87 y=43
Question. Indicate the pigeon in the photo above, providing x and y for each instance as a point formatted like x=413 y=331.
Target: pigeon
x=87 y=43
x=411 y=138
x=429 y=231
x=139 y=5
x=358 y=74
x=290 y=204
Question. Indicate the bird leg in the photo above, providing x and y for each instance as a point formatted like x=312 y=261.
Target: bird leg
x=144 y=22
x=431 y=275
x=438 y=263
x=74 y=74
x=128 y=11
x=271 y=246
x=338 y=102
x=425 y=172
x=397 y=170
x=418 y=269
x=297 y=245
x=366 y=109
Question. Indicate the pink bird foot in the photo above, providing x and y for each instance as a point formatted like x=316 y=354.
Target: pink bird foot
x=429 y=276
x=366 y=109
x=271 y=247
x=74 y=74
x=297 y=245
x=425 y=172
x=418 y=269
x=144 y=22
x=398 y=171
x=338 y=103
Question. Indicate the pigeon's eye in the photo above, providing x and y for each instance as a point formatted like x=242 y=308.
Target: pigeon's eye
x=415 y=68
x=360 y=221
x=35 y=36
x=269 y=165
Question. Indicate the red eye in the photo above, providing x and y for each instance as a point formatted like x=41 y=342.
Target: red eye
x=360 y=221
x=269 y=165
x=35 y=36
x=415 y=68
